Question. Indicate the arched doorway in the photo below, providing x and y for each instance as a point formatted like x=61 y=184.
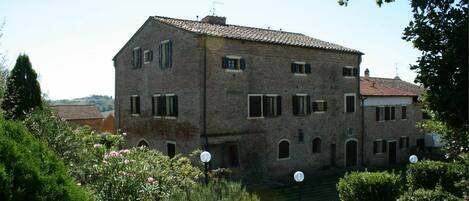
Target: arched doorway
x=351 y=152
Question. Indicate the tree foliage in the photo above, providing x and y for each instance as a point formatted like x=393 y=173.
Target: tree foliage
x=3 y=68
x=378 y=2
x=23 y=92
x=29 y=170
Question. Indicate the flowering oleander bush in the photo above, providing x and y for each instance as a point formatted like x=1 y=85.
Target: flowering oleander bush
x=141 y=174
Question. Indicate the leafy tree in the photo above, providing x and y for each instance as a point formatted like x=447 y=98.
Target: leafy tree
x=29 y=170
x=23 y=92
x=379 y=2
x=440 y=31
x=3 y=69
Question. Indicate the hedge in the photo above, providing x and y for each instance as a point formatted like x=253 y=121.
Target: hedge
x=428 y=195
x=430 y=174
x=368 y=186
x=29 y=170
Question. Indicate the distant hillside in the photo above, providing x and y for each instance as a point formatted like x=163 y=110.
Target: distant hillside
x=104 y=103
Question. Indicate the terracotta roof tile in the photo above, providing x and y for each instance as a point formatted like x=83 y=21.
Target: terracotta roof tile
x=398 y=84
x=74 y=112
x=253 y=34
x=368 y=87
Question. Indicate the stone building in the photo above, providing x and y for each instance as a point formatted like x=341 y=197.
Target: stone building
x=263 y=102
x=391 y=112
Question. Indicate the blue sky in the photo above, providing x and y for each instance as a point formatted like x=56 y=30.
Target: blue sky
x=71 y=43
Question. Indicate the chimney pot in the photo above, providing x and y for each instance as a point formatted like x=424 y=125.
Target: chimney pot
x=367 y=73
x=214 y=20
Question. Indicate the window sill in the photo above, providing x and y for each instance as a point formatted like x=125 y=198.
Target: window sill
x=233 y=70
x=135 y=115
x=255 y=117
x=283 y=159
x=349 y=77
x=169 y=117
x=163 y=117
x=300 y=74
x=146 y=62
x=403 y=119
x=320 y=112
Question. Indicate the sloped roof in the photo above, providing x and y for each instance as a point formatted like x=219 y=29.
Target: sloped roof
x=252 y=34
x=369 y=87
x=76 y=112
x=398 y=84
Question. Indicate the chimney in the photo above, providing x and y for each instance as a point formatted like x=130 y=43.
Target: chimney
x=214 y=20
x=367 y=73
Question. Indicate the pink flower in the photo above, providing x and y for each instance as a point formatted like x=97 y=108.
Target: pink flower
x=124 y=151
x=111 y=154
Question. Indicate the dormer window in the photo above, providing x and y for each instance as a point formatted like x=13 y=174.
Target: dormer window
x=233 y=63
x=300 y=68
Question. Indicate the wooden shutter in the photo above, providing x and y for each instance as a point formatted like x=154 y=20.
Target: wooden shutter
x=344 y=71
x=293 y=67
x=175 y=106
x=137 y=105
x=279 y=105
x=404 y=112
x=131 y=105
x=139 y=57
x=153 y=112
x=393 y=113
x=170 y=54
x=308 y=104
x=350 y=103
x=161 y=105
x=160 y=57
x=401 y=142
x=255 y=109
x=265 y=107
x=315 y=106
x=355 y=72
x=325 y=106
x=224 y=62
x=375 y=147
x=308 y=68
x=384 y=146
x=295 y=105
x=407 y=142
x=387 y=113
x=242 y=64
x=377 y=113
x=133 y=58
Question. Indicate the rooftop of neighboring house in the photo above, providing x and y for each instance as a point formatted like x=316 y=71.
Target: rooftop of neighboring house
x=376 y=86
x=216 y=26
x=78 y=112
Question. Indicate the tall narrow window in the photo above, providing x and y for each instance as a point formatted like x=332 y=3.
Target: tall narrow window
x=349 y=103
x=379 y=113
x=272 y=105
x=137 y=57
x=171 y=149
x=135 y=105
x=317 y=145
x=283 y=149
x=387 y=113
x=165 y=57
x=254 y=106
x=404 y=112
x=393 y=113
x=301 y=104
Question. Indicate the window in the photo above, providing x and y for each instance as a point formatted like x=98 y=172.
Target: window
x=233 y=63
x=404 y=142
x=379 y=146
x=319 y=106
x=387 y=113
x=404 y=112
x=137 y=57
x=255 y=106
x=165 y=105
x=272 y=105
x=301 y=136
x=135 y=105
x=233 y=155
x=166 y=51
x=301 y=104
x=143 y=143
x=283 y=149
x=171 y=148
x=349 y=71
x=349 y=103
x=393 y=113
x=317 y=145
x=300 y=68
x=147 y=56
x=379 y=113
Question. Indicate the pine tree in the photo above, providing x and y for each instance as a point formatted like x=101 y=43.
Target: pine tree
x=23 y=92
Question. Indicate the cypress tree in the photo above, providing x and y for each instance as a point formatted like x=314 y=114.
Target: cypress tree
x=23 y=92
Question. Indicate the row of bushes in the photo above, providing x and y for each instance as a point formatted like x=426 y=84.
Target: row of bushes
x=425 y=180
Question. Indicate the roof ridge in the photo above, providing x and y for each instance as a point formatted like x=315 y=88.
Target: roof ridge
x=235 y=25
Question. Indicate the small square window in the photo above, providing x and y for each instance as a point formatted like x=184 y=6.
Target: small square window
x=147 y=56
x=233 y=63
x=349 y=71
x=319 y=106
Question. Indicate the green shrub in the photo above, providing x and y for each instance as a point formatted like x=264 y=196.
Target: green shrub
x=29 y=170
x=368 y=186
x=429 y=174
x=428 y=195
x=141 y=174
x=219 y=190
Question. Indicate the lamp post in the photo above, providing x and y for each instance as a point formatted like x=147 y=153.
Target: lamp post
x=413 y=159
x=205 y=158
x=299 y=177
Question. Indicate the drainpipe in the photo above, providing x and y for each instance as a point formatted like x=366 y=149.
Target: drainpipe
x=362 y=98
x=204 y=129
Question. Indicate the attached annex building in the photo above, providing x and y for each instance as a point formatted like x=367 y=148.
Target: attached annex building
x=263 y=102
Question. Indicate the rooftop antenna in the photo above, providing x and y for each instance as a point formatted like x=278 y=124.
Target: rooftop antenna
x=397 y=70
x=214 y=3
